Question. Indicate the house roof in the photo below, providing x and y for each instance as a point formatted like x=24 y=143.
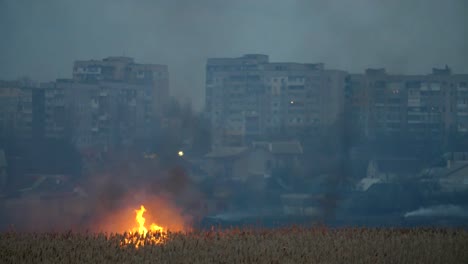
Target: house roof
x=226 y=152
x=445 y=172
x=292 y=147
x=3 y=162
x=399 y=165
x=366 y=183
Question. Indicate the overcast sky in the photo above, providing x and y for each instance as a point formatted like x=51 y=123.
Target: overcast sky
x=41 y=39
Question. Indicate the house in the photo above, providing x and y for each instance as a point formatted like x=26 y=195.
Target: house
x=258 y=160
x=393 y=168
x=227 y=162
x=48 y=187
x=388 y=170
x=193 y=167
x=455 y=178
x=283 y=153
x=240 y=164
x=3 y=170
x=452 y=177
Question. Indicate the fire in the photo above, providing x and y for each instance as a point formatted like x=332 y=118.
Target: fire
x=145 y=219
x=140 y=235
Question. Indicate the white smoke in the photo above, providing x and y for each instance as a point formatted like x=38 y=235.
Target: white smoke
x=439 y=211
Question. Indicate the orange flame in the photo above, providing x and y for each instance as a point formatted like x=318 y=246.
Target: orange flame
x=139 y=236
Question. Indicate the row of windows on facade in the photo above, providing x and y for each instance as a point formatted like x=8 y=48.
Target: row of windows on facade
x=274 y=111
x=246 y=91
x=291 y=104
x=243 y=97
x=268 y=87
x=418 y=108
x=415 y=93
x=110 y=70
x=389 y=117
x=434 y=87
x=237 y=78
x=276 y=121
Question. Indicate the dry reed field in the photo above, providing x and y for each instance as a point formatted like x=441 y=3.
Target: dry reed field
x=287 y=245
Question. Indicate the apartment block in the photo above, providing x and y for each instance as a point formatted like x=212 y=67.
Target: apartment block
x=109 y=115
x=51 y=117
x=125 y=70
x=108 y=103
x=417 y=106
x=16 y=110
x=249 y=97
x=9 y=100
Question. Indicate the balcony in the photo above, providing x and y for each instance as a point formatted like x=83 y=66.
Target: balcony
x=132 y=103
x=94 y=104
x=103 y=117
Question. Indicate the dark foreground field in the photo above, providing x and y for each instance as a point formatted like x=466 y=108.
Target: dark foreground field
x=288 y=245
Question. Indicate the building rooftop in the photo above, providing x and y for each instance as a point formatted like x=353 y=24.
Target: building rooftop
x=444 y=172
x=285 y=148
x=442 y=71
x=226 y=152
x=280 y=147
x=399 y=166
x=120 y=59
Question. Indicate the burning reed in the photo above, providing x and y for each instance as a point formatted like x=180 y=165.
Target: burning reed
x=287 y=245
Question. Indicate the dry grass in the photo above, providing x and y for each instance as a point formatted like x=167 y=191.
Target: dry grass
x=289 y=245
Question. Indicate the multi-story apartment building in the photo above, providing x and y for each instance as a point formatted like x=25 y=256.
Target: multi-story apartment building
x=249 y=97
x=417 y=106
x=50 y=113
x=32 y=112
x=125 y=70
x=114 y=102
x=459 y=88
x=16 y=111
x=109 y=103
x=109 y=114
x=9 y=101
x=232 y=97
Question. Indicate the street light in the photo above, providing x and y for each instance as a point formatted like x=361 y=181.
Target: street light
x=180 y=153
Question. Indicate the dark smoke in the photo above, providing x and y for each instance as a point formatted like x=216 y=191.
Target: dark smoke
x=117 y=188
x=42 y=38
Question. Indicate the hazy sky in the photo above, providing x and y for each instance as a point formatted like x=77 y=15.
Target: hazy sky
x=41 y=39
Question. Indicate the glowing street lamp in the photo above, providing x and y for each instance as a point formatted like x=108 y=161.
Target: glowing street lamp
x=180 y=153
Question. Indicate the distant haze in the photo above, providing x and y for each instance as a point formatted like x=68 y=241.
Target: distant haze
x=41 y=39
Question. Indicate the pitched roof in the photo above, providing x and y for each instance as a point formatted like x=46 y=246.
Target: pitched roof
x=399 y=166
x=3 y=162
x=365 y=183
x=226 y=152
x=292 y=147
x=445 y=173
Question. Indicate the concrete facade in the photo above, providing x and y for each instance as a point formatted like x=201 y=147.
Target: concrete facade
x=125 y=70
x=250 y=97
x=109 y=114
x=16 y=110
x=421 y=106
